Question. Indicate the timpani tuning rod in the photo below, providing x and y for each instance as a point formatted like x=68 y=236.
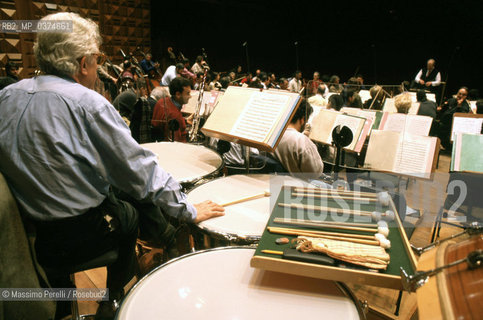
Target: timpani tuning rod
x=473 y=260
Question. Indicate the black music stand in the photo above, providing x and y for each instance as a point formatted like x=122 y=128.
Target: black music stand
x=341 y=137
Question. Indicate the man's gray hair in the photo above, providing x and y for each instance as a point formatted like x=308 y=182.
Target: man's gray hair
x=159 y=93
x=59 y=52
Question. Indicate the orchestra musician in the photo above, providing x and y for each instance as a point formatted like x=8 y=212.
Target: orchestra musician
x=72 y=148
x=295 y=151
x=446 y=112
x=171 y=73
x=149 y=67
x=168 y=109
x=295 y=85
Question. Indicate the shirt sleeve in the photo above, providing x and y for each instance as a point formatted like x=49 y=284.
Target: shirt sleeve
x=133 y=169
x=310 y=160
x=418 y=76
x=436 y=81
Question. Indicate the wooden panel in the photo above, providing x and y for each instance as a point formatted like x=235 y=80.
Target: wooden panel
x=123 y=24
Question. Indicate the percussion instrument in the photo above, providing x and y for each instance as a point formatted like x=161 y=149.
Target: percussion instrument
x=244 y=222
x=219 y=284
x=455 y=292
x=187 y=163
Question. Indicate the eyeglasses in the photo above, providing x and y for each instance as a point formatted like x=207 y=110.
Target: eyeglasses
x=100 y=58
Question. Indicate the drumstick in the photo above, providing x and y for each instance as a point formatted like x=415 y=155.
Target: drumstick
x=280 y=253
x=326 y=233
x=377 y=239
x=315 y=235
x=336 y=192
x=388 y=215
x=340 y=223
x=257 y=196
x=380 y=227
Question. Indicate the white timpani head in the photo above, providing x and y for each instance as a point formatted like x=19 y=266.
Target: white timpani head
x=187 y=163
x=243 y=222
x=220 y=284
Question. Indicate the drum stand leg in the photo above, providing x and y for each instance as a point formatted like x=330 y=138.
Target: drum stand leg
x=247 y=159
x=398 y=303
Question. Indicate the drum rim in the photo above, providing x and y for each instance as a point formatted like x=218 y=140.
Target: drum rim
x=194 y=181
x=342 y=287
x=228 y=236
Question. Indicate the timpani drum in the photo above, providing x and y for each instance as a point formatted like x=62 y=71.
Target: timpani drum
x=220 y=284
x=243 y=223
x=187 y=163
x=456 y=292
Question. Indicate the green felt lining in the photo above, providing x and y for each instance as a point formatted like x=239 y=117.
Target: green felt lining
x=397 y=252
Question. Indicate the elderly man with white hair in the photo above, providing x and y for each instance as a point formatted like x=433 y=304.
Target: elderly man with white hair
x=63 y=148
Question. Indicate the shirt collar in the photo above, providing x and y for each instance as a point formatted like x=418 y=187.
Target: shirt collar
x=178 y=105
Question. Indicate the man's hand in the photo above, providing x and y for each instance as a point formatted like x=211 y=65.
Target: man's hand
x=207 y=210
x=428 y=83
x=421 y=82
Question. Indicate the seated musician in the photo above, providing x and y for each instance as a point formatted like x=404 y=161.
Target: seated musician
x=168 y=109
x=295 y=151
x=171 y=73
x=403 y=102
x=149 y=67
x=449 y=108
x=198 y=66
x=426 y=107
x=64 y=148
x=314 y=83
x=377 y=98
x=318 y=99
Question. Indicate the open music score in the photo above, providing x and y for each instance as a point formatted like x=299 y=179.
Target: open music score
x=374 y=115
x=466 y=123
x=402 y=153
x=327 y=120
x=467 y=155
x=252 y=117
x=210 y=98
x=409 y=123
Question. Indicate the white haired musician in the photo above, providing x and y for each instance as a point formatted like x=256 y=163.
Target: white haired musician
x=63 y=147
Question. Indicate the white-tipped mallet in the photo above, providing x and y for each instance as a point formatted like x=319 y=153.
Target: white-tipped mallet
x=376 y=215
x=382 y=197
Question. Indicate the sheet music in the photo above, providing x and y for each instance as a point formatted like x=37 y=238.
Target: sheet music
x=413 y=124
x=371 y=115
x=466 y=125
x=352 y=123
x=412 y=157
x=260 y=116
